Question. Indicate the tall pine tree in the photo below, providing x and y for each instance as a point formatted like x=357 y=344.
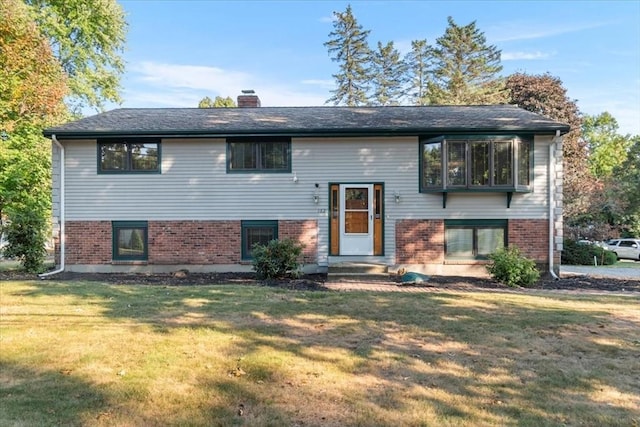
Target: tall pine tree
x=466 y=68
x=389 y=75
x=419 y=63
x=349 y=47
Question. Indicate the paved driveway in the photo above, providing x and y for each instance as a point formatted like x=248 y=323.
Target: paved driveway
x=627 y=272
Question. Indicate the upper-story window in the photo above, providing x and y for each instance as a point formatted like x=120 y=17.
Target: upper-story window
x=259 y=155
x=498 y=163
x=135 y=155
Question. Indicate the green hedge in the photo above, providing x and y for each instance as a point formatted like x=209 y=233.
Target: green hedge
x=575 y=253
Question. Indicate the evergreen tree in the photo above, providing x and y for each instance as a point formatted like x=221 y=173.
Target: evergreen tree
x=466 y=68
x=349 y=47
x=389 y=75
x=419 y=68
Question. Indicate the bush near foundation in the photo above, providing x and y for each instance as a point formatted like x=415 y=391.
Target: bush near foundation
x=277 y=259
x=510 y=267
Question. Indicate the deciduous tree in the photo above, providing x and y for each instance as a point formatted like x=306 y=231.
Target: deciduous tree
x=32 y=88
x=32 y=83
x=88 y=38
x=607 y=148
x=348 y=47
x=544 y=94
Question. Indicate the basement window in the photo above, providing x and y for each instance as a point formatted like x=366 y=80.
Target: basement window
x=474 y=239
x=130 y=240
x=257 y=232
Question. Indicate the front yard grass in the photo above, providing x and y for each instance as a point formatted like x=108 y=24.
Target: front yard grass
x=92 y=354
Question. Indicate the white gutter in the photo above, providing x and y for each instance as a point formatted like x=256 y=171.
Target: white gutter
x=62 y=213
x=552 y=189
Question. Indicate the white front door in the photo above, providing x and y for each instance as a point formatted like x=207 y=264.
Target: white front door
x=356 y=219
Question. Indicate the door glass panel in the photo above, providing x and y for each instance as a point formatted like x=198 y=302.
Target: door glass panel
x=356 y=198
x=356 y=222
x=356 y=212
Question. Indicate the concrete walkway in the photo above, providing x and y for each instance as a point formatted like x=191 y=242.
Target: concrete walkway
x=627 y=272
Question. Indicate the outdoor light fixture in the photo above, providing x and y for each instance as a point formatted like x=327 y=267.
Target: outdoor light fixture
x=316 y=199
x=396 y=196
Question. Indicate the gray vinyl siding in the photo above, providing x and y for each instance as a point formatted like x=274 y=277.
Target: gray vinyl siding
x=194 y=185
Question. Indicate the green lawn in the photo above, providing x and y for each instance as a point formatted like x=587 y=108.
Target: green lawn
x=81 y=353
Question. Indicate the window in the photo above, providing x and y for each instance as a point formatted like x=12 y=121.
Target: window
x=474 y=239
x=253 y=232
x=263 y=155
x=130 y=240
x=129 y=156
x=476 y=163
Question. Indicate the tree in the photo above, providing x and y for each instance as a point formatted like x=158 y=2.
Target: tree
x=545 y=95
x=627 y=175
x=87 y=37
x=607 y=148
x=32 y=83
x=466 y=68
x=32 y=89
x=349 y=47
x=219 y=102
x=389 y=75
x=419 y=62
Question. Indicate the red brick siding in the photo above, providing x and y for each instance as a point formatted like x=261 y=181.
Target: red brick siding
x=181 y=242
x=420 y=241
x=194 y=242
x=531 y=236
x=88 y=242
x=304 y=231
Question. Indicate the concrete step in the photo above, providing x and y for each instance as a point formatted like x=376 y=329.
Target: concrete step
x=359 y=270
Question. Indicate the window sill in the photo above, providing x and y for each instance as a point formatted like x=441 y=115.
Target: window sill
x=129 y=262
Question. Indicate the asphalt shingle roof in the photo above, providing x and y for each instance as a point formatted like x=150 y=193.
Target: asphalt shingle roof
x=321 y=121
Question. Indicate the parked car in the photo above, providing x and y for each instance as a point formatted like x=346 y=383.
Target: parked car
x=625 y=248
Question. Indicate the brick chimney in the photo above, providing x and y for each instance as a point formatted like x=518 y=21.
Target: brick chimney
x=248 y=99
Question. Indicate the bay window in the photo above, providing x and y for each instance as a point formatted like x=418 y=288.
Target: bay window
x=482 y=163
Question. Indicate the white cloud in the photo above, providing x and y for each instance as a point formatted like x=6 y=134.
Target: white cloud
x=528 y=30
x=213 y=79
x=516 y=56
x=179 y=85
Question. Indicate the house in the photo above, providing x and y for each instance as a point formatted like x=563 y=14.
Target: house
x=432 y=189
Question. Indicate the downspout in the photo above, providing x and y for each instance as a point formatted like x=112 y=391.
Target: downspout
x=552 y=189
x=62 y=213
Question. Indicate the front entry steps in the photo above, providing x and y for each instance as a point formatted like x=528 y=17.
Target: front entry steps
x=360 y=272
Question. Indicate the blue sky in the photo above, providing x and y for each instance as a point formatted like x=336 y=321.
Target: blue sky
x=181 y=51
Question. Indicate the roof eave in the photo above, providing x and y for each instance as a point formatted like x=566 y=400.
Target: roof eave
x=191 y=133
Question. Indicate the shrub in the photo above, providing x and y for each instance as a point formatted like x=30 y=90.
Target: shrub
x=26 y=237
x=575 y=253
x=276 y=259
x=510 y=267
